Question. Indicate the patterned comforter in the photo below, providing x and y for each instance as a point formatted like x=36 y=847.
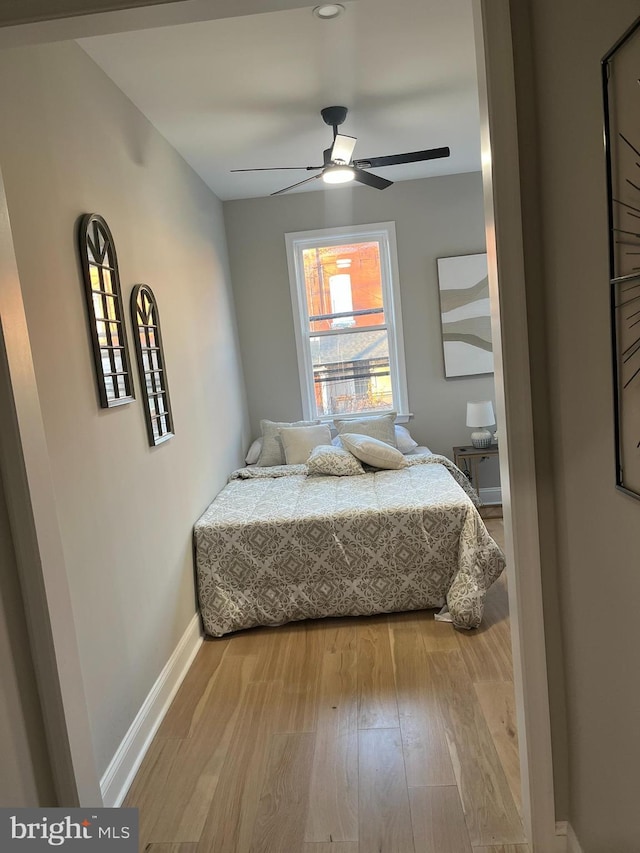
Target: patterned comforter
x=277 y=545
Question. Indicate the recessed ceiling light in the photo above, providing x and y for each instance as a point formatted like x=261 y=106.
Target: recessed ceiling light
x=328 y=10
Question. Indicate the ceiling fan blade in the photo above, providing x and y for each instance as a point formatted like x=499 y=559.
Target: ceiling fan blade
x=371 y=180
x=278 y=168
x=299 y=184
x=396 y=159
x=342 y=148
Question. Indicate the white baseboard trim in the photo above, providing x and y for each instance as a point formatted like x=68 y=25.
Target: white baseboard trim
x=573 y=845
x=567 y=837
x=128 y=757
x=561 y=837
x=491 y=495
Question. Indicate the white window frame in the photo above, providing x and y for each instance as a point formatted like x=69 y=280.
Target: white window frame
x=385 y=234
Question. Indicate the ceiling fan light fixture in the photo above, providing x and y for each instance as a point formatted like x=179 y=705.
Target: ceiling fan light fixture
x=338 y=175
x=327 y=11
x=338 y=167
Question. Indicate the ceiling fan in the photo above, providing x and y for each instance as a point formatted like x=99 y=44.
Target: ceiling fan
x=339 y=168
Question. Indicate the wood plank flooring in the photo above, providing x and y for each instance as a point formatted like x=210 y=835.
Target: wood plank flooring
x=384 y=734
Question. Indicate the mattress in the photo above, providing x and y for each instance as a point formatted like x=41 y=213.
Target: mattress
x=277 y=545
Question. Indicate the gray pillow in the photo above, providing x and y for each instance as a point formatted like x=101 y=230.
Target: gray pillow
x=381 y=427
x=272 y=452
x=372 y=452
x=334 y=461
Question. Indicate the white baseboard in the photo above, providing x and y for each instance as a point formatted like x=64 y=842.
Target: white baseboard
x=566 y=836
x=561 y=837
x=573 y=845
x=128 y=757
x=491 y=495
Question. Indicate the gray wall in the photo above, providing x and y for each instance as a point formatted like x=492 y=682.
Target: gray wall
x=25 y=779
x=435 y=217
x=72 y=143
x=596 y=575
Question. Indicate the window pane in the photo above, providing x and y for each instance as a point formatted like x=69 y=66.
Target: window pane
x=351 y=372
x=112 y=361
x=109 y=387
x=154 y=382
x=98 y=306
x=342 y=281
x=107 y=284
x=108 y=334
x=117 y=361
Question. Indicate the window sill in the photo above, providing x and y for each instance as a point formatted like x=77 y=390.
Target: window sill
x=400 y=418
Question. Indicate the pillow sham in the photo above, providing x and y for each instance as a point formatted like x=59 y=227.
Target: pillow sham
x=376 y=426
x=299 y=441
x=272 y=452
x=333 y=461
x=253 y=453
x=404 y=440
x=373 y=452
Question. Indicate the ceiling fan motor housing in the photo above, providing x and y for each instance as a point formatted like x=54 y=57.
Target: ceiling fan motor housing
x=334 y=116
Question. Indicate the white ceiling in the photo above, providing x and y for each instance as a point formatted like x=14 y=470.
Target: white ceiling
x=247 y=91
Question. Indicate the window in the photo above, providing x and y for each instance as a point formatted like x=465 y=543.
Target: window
x=346 y=308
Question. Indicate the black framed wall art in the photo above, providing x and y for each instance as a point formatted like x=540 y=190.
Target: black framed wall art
x=151 y=364
x=621 y=90
x=104 y=308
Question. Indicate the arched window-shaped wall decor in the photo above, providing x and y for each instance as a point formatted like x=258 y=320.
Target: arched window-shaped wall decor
x=153 y=375
x=104 y=304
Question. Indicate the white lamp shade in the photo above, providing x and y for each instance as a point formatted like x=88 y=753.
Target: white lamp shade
x=480 y=414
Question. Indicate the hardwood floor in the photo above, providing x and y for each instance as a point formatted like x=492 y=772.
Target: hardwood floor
x=385 y=734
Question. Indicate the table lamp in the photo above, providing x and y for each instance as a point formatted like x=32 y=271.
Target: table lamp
x=480 y=415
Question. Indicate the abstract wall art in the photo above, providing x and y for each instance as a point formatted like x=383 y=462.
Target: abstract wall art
x=465 y=314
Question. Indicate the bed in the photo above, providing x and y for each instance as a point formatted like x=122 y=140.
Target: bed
x=277 y=546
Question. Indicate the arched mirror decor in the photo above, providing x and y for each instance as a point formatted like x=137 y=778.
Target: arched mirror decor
x=104 y=305
x=153 y=375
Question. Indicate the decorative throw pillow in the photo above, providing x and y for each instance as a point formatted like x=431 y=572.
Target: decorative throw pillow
x=377 y=426
x=404 y=441
x=373 y=452
x=253 y=453
x=272 y=452
x=299 y=441
x=334 y=461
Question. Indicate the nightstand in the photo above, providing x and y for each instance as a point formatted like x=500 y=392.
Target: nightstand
x=468 y=460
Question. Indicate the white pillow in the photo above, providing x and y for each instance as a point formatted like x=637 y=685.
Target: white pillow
x=377 y=426
x=253 y=453
x=404 y=441
x=373 y=452
x=334 y=461
x=299 y=441
x=272 y=452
